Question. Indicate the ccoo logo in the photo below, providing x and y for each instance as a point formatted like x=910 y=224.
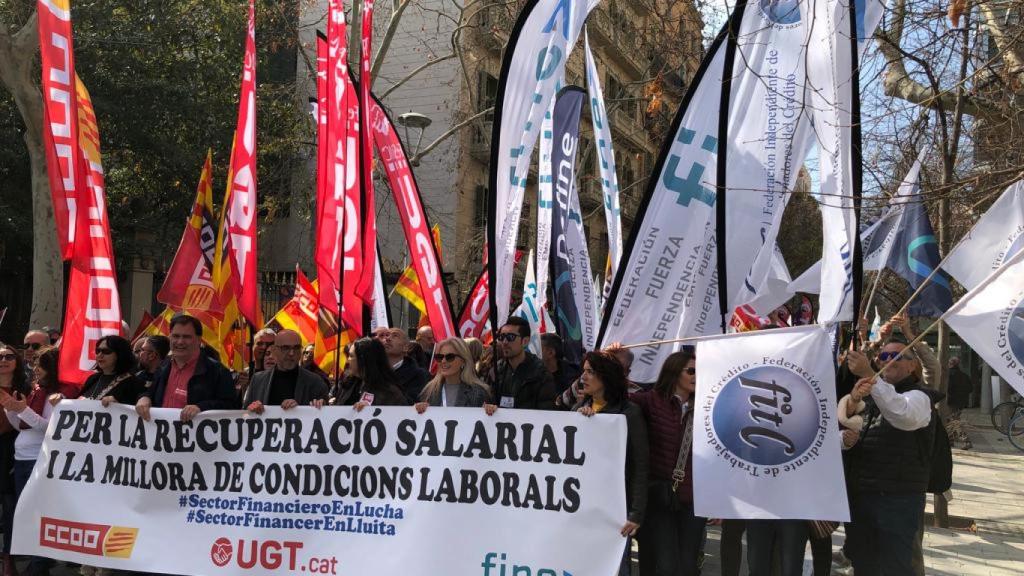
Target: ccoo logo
x=766 y=415
x=221 y=552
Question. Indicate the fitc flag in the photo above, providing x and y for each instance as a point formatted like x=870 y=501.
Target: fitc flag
x=605 y=160
x=990 y=319
x=996 y=237
x=674 y=226
x=765 y=440
x=241 y=209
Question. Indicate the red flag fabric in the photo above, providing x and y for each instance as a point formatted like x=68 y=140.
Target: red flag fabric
x=300 y=313
x=364 y=289
x=338 y=250
x=144 y=323
x=241 y=209
x=189 y=284
x=64 y=169
x=476 y=310
x=93 y=307
x=422 y=249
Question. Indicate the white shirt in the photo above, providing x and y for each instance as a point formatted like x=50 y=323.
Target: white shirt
x=908 y=411
x=398 y=364
x=29 y=442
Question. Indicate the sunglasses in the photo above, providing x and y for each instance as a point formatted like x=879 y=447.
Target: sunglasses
x=691 y=371
x=507 y=337
x=8 y=357
x=34 y=345
x=449 y=358
x=104 y=351
x=887 y=356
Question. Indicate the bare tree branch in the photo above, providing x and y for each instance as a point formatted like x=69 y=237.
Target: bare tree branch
x=449 y=133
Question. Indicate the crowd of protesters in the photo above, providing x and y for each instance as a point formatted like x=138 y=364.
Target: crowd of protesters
x=888 y=423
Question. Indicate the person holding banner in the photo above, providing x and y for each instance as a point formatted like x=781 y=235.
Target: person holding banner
x=456 y=383
x=604 y=391
x=114 y=380
x=286 y=384
x=372 y=382
x=12 y=380
x=671 y=535
x=890 y=463
x=522 y=380
x=190 y=382
x=31 y=416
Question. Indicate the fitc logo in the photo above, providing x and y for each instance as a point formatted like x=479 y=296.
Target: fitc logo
x=496 y=564
x=766 y=415
x=1016 y=332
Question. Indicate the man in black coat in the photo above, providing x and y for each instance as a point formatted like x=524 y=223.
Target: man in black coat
x=190 y=382
x=411 y=378
x=286 y=384
x=522 y=380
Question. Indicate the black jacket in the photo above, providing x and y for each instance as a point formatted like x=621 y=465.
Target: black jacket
x=530 y=385
x=308 y=387
x=411 y=379
x=638 y=458
x=891 y=460
x=210 y=387
x=125 y=388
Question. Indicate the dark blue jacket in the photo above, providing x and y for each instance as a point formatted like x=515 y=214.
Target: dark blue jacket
x=210 y=387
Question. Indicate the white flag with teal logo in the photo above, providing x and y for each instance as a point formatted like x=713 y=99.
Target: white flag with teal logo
x=990 y=319
x=996 y=237
x=605 y=158
x=530 y=309
x=765 y=438
x=534 y=61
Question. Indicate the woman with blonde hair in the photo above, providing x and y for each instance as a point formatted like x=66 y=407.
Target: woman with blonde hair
x=456 y=383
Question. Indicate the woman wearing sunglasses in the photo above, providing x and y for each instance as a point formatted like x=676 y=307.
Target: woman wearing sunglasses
x=605 y=391
x=12 y=379
x=31 y=416
x=114 y=380
x=671 y=535
x=456 y=382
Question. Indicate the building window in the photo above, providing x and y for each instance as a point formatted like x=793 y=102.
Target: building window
x=479 y=206
x=488 y=93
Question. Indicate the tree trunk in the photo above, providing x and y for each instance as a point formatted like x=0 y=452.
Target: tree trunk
x=18 y=73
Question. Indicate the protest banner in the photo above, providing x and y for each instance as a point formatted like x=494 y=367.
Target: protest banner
x=328 y=491
x=765 y=439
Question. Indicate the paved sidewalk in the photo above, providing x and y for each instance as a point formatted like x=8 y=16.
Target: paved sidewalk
x=987 y=512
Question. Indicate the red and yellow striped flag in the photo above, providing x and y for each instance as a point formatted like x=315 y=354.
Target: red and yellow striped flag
x=408 y=284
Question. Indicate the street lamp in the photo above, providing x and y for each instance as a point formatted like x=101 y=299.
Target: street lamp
x=417 y=121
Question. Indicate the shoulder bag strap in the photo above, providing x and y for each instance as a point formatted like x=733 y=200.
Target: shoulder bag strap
x=679 y=473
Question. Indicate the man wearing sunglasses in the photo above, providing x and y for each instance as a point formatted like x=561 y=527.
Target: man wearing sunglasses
x=286 y=384
x=35 y=340
x=522 y=379
x=890 y=461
